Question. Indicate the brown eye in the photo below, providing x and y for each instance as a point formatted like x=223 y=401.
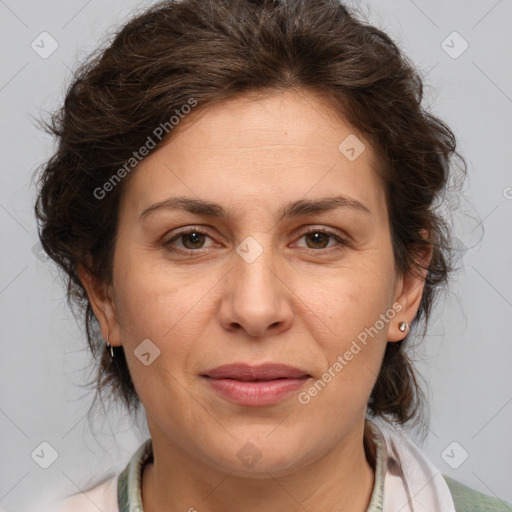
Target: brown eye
x=194 y=238
x=189 y=241
x=318 y=239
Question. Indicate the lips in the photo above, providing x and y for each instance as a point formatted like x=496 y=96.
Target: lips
x=262 y=385
x=247 y=372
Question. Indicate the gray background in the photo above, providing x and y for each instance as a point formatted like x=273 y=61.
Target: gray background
x=466 y=358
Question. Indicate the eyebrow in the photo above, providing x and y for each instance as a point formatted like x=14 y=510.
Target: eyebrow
x=293 y=209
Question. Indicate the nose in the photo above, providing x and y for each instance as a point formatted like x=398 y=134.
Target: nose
x=257 y=299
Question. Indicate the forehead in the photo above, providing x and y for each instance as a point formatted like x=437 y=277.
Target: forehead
x=259 y=148
x=261 y=120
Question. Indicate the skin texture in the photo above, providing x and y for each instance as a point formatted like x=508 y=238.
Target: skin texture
x=301 y=302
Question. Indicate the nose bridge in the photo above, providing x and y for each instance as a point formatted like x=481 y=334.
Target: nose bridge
x=255 y=268
x=255 y=299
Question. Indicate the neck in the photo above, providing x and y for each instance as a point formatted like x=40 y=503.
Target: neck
x=342 y=480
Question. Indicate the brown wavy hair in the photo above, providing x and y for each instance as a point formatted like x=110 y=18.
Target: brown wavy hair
x=214 y=50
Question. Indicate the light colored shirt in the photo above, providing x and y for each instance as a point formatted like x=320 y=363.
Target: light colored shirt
x=405 y=481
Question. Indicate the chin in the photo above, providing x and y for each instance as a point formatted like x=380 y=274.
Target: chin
x=257 y=456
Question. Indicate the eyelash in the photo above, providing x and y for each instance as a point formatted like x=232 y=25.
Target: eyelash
x=342 y=243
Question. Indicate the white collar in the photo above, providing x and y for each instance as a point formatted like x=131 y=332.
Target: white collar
x=411 y=483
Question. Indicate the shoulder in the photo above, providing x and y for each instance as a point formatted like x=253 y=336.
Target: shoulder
x=415 y=468
x=470 y=500
x=114 y=493
x=103 y=497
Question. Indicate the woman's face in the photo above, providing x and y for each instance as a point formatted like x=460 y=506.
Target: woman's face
x=251 y=287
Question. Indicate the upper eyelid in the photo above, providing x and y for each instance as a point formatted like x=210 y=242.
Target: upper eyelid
x=307 y=229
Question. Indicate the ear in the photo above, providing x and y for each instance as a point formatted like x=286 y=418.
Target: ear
x=103 y=305
x=408 y=293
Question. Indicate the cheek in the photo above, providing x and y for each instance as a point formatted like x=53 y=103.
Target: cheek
x=151 y=306
x=143 y=306
x=343 y=303
x=348 y=316
x=352 y=350
x=167 y=307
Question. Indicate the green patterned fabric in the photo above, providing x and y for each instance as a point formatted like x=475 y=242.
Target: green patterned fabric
x=129 y=481
x=469 y=500
x=374 y=446
x=465 y=498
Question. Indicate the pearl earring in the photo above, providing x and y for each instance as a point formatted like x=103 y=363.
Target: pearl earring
x=403 y=326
